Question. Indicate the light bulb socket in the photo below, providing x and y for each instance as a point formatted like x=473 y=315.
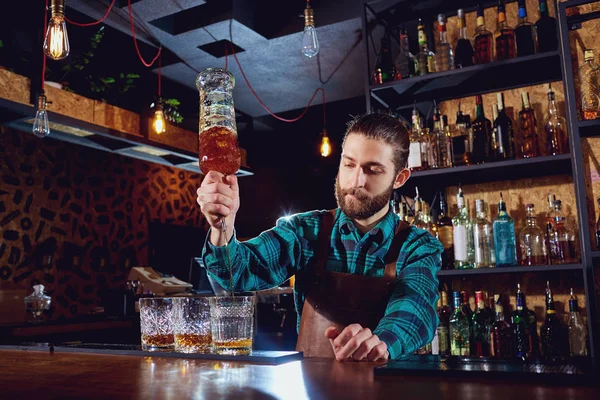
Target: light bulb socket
x=42 y=101
x=57 y=8
x=309 y=15
x=159 y=105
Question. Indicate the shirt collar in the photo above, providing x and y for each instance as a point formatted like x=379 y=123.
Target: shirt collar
x=387 y=224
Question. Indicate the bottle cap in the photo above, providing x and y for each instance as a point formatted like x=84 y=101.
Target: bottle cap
x=589 y=55
x=479 y=205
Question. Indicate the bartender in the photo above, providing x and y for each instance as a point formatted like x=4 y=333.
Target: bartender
x=366 y=282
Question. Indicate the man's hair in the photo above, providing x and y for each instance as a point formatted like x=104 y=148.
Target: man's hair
x=383 y=126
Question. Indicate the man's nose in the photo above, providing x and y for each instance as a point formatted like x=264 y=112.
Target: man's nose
x=359 y=178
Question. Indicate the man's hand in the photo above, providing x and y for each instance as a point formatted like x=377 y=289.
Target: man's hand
x=218 y=197
x=356 y=343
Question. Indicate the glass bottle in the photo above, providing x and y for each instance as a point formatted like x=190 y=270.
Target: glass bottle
x=460 y=140
x=436 y=139
x=525 y=33
x=459 y=330
x=463 y=52
x=447 y=155
x=445 y=234
x=598 y=226
x=494 y=146
x=546 y=29
x=504 y=37
x=504 y=237
x=505 y=134
x=550 y=215
x=480 y=345
x=524 y=329
x=425 y=57
x=551 y=332
x=532 y=240
x=443 y=326
x=501 y=337
x=417 y=156
x=404 y=60
x=466 y=306
x=561 y=240
x=482 y=40
x=444 y=57
x=589 y=78
x=460 y=233
x=385 y=61
x=528 y=129
x=483 y=238
x=426 y=215
x=482 y=129
x=218 y=145
x=555 y=126
x=577 y=330
x=444 y=312
x=37 y=302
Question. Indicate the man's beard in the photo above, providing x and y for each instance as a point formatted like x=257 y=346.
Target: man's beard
x=362 y=206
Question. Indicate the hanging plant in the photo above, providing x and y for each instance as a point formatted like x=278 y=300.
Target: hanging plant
x=171 y=110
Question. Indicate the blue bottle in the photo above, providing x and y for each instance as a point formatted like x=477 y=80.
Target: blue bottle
x=504 y=237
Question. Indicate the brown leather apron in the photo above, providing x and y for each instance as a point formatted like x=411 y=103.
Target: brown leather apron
x=341 y=299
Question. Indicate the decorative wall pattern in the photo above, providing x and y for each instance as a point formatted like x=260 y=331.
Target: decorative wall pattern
x=76 y=219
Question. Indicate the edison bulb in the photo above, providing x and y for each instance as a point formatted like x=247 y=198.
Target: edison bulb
x=41 y=128
x=325 y=146
x=56 y=43
x=310 y=42
x=159 y=124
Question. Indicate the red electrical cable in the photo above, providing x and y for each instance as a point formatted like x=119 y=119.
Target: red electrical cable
x=43 y=51
x=159 y=74
x=135 y=40
x=95 y=22
x=267 y=108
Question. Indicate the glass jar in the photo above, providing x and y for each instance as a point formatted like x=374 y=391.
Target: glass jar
x=218 y=147
x=37 y=302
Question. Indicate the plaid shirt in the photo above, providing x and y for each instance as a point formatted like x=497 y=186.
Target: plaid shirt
x=275 y=255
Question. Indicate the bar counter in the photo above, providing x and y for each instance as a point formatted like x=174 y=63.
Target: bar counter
x=33 y=374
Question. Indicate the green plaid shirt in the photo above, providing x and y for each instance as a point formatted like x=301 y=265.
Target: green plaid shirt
x=275 y=255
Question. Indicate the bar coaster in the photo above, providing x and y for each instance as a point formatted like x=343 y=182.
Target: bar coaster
x=256 y=356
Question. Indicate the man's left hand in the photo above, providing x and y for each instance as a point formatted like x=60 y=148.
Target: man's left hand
x=356 y=343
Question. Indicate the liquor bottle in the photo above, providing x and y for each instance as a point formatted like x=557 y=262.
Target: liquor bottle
x=460 y=330
x=546 y=29
x=483 y=238
x=504 y=37
x=463 y=52
x=425 y=57
x=505 y=135
x=482 y=129
x=385 y=61
x=551 y=332
x=482 y=40
x=598 y=226
x=489 y=305
x=404 y=60
x=444 y=57
x=444 y=313
x=525 y=33
x=556 y=127
x=494 y=146
x=417 y=156
x=445 y=143
x=418 y=221
x=504 y=237
x=577 y=330
x=436 y=139
x=445 y=234
x=466 y=306
x=429 y=225
x=524 y=329
x=528 y=129
x=501 y=337
x=532 y=240
x=480 y=345
x=460 y=140
x=460 y=233
x=589 y=78
x=561 y=240
x=550 y=215
x=470 y=236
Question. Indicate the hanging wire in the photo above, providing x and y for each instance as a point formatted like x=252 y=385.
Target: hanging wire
x=137 y=49
x=43 y=52
x=95 y=22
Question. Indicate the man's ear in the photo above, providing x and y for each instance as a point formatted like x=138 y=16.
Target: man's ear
x=401 y=178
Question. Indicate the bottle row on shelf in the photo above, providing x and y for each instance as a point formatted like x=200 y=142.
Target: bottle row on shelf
x=488 y=332
x=481 y=140
x=484 y=47
x=472 y=241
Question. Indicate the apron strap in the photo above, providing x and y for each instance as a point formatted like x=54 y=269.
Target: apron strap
x=391 y=258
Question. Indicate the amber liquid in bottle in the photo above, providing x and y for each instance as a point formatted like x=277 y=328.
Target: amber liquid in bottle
x=528 y=128
x=158 y=340
x=219 y=151
x=194 y=341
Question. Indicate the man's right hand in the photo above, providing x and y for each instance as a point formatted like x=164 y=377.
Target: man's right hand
x=218 y=197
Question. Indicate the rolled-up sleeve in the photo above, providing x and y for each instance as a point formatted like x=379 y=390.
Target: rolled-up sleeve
x=411 y=318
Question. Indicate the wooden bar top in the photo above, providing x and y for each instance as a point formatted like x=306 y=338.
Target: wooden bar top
x=33 y=374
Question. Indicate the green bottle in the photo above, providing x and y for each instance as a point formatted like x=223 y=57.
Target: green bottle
x=459 y=329
x=480 y=344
